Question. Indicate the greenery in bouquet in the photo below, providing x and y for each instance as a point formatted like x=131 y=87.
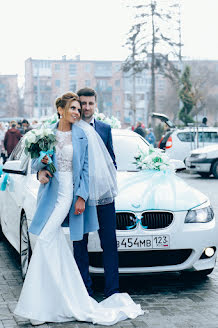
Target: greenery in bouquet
x=48 y=121
x=113 y=121
x=40 y=142
x=153 y=159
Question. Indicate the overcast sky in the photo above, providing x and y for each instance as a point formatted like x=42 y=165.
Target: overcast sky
x=95 y=29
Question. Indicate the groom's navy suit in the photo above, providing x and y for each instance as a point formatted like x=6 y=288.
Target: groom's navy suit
x=107 y=233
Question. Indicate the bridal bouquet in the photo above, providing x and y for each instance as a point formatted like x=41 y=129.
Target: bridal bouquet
x=39 y=143
x=154 y=159
x=113 y=121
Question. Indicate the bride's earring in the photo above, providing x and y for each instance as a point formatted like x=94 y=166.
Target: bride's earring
x=61 y=116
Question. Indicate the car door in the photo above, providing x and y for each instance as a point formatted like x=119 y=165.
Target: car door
x=13 y=184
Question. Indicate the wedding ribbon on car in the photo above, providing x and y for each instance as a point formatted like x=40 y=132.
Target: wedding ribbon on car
x=135 y=224
x=7 y=180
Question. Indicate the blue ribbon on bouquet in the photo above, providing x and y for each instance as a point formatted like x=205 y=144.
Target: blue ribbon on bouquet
x=44 y=153
x=7 y=180
x=135 y=224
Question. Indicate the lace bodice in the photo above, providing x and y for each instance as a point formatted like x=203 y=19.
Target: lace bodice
x=64 y=151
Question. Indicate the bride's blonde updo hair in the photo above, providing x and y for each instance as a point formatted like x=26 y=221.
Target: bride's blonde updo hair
x=65 y=100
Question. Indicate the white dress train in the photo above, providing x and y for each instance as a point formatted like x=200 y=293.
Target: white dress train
x=53 y=290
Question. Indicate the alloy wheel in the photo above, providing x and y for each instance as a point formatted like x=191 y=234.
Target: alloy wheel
x=25 y=247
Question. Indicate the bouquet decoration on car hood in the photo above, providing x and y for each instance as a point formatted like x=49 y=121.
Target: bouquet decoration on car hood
x=154 y=159
x=113 y=121
x=39 y=143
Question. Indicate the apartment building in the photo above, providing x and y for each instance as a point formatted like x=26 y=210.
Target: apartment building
x=9 y=96
x=45 y=80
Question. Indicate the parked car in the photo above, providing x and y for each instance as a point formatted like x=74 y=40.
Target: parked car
x=178 y=143
x=162 y=225
x=203 y=161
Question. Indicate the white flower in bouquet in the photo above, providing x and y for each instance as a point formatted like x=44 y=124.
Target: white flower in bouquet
x=47 y=121
x=30 y=137
x=39 y=143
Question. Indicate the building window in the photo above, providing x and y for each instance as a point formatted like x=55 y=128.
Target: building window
x=72 y=69
x=87 y=68
x=117 y=67
x=117 y=83
x=73 y=85
x=117 y=99
x=118 y=114
x=57 y=83
x=57 y=67
x=140 y=96
x=103 y=69
x=87 y=83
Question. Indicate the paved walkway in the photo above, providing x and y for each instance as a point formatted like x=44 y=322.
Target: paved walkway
x=172 y=301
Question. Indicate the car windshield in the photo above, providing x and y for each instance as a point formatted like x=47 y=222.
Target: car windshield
x=125 y=148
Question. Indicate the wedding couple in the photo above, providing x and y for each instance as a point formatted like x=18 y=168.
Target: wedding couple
x=58 y=287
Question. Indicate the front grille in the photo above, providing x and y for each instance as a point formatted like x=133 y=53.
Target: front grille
x=140 y=259
x=152 y=220
x=157 y=220
x=124 y=219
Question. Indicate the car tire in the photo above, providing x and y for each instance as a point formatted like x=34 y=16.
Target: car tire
x=197 y=274
x=214 y=169
x=1 y=233
x=25 y=247
x=204 y=174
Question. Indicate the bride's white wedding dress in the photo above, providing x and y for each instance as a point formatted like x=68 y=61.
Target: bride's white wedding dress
x=53 y=290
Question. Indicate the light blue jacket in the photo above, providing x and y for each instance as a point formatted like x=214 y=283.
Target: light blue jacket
x=47 y=194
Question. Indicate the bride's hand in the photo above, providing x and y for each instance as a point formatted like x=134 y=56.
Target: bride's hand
x=43 y=176
x=79 y=206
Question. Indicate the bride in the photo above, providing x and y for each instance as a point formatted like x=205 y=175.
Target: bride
x=53 y=290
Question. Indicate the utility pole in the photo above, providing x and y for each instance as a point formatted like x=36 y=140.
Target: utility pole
x=180 y=49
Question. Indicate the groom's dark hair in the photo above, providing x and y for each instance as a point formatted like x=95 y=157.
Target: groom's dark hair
x=87 y=92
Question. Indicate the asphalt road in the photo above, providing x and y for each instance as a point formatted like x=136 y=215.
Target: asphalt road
x=172 y=300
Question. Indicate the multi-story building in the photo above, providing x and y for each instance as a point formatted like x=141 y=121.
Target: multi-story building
x=136 y=95
x=9 y=97
x=45 y=80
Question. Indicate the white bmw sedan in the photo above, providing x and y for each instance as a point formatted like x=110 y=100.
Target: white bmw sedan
x=177 y=233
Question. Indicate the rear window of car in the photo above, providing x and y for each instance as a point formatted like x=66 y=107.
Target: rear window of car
x=208 y=136
x=186 y=136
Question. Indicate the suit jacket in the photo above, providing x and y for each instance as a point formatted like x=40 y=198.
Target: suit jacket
x=104 y=130
x=47 y=195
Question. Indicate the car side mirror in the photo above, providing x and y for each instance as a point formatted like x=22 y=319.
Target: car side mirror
x=179 y=165
x=15 y=167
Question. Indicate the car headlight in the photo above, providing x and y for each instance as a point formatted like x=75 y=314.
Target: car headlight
x=201 y=215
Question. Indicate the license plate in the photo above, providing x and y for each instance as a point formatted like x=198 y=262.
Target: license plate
x=142 y=242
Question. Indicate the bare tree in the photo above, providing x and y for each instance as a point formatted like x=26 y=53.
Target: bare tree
x=132 y=65
x=152 y=45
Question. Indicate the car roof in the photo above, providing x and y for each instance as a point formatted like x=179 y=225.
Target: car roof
x=124 y=132
x=200 y=129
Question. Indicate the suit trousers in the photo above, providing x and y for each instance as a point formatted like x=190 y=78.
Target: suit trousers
x=107 y=235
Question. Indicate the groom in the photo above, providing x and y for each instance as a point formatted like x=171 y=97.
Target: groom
x=106 y=213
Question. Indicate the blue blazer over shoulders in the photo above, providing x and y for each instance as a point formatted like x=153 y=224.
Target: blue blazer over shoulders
x=47 y=194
